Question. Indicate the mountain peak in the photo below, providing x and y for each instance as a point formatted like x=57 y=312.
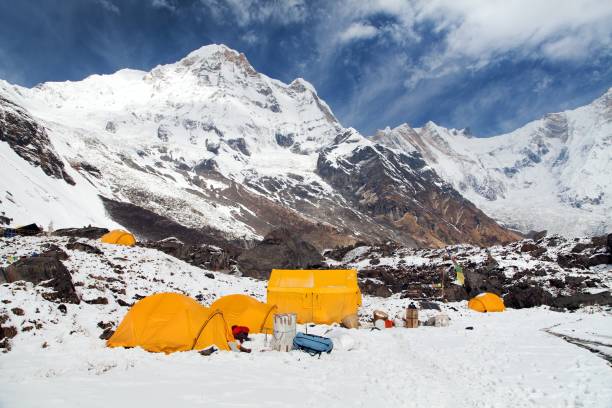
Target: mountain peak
x=210 y=50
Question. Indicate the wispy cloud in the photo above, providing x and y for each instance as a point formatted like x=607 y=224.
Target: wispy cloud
x=169 y=5
x=245 y=12
x=357 y=31
x=109 y=5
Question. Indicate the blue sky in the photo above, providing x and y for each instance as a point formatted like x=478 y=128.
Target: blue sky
x=485 y=64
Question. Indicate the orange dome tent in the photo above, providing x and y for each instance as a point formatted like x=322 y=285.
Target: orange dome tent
x=318 y=296
x=242 y=310
x=118 y=237
x=487 y=302
x=169 y=322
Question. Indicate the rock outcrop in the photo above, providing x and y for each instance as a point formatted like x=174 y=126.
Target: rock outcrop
x=45 y=271
x=30 y=140
x=280 y=249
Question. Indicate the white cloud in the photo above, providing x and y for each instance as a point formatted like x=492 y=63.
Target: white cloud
x=357 y=31
x=477 y=32
x=250 y=38
x=109 y=5
x=483 y=29
x=245 y=12
x=164 y=4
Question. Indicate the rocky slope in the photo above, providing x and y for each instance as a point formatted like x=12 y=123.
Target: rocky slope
x=553 y=173
x=209 y=147
x=551 y=271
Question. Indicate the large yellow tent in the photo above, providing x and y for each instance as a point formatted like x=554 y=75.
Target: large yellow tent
x=169 y=322
x=318 y=296
x=487 y=302
x=118 y=237
x=243 y=310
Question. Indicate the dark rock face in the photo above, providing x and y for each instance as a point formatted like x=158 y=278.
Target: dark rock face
x=526 y=295
x=53 y=251
x=30 y=140
x=369 y=287
x=151 y=226
x=285 y=140
x=205 y=256
x=583 y=299
x=83 y=247
x=47 y=271
x=239 y=145
x=84 y=232
x=402 y=191
x=280 y=249
x=529 y=247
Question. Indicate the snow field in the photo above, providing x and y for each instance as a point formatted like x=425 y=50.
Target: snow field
x=506 y=360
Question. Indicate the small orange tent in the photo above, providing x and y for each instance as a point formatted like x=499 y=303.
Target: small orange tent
x=318 y=296
x=169 y=322
x=118 y=237
x=243 y=310
x=487 y=302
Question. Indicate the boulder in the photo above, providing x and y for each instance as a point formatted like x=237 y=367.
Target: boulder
x=280 y=249
x=369 y=287
x=53 y=251
x=47 y=271
x=206 y=256
x=529 y=247
x=84 y=232
x=455 y=293
x=483 y=279
x=525 y=294
x=583 y=299
x=83 y=247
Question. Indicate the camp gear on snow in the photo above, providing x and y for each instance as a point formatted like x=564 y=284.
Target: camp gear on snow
x=389 y=324
x=240 y=333
x=423 y=304
x=441 y=320
x=169 y=322
x=312 y=344
x=207 y=352
x=243 y=310
x=379 y=314
x=284 y=331
x=399 y=322
x=379 y=324
x=487 y=302
x=351 y=321
x=318 y=296
x=412 y=316
x=119 y=237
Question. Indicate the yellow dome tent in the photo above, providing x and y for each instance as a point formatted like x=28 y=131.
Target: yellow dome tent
x=318 y=296
x=242 y=310
x=169 y=322
x=487 y=302
x=118 y=237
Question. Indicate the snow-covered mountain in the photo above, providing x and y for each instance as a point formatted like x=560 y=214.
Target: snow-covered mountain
x=554 y=173
x=210 y=143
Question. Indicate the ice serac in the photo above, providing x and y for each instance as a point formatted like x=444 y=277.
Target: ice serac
x=402 y=191
x=210 y=144
x=553 y=173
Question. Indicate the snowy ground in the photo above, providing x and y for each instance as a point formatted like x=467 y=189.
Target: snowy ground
x=506 y=360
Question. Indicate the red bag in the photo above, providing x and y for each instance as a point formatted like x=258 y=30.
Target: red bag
x=389 y=324
x=240 y=330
